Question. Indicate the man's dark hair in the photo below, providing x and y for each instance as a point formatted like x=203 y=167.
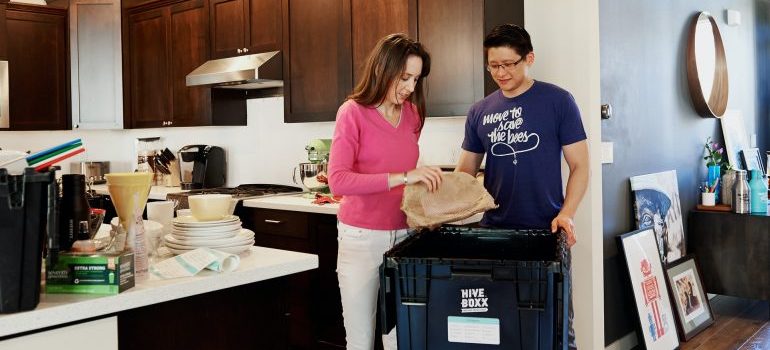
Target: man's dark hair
x=509 y=35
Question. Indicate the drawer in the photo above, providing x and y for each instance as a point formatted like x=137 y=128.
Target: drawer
x=281 y=223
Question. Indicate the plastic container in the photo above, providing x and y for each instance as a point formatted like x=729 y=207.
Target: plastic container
x=462 y=288
x=27 y=212
x=758 y=187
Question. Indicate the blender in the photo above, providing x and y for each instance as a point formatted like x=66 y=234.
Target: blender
x=313 y=174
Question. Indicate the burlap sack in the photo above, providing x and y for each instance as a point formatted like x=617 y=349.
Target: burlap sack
x=460 y=196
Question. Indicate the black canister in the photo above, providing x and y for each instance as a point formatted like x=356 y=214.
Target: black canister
x=73 y=209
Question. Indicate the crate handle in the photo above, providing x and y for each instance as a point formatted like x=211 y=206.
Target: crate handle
x=471 y=273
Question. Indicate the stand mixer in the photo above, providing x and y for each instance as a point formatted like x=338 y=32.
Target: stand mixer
x=313 y=174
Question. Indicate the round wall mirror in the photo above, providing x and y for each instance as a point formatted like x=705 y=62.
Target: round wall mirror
x=707 y=67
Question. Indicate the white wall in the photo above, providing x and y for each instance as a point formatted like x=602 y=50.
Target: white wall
x=565 y=36
x=265 y=151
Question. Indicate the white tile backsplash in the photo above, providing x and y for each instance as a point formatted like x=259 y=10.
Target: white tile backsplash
x=265 y=151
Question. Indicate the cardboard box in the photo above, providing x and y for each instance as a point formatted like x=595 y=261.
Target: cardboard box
x=89 y=273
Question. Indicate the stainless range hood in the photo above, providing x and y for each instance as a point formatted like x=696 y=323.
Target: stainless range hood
x=258 y=71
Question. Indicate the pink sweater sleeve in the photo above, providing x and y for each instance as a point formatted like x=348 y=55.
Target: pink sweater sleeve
x=343 y=179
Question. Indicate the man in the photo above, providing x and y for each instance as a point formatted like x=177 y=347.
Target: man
x=523 y=128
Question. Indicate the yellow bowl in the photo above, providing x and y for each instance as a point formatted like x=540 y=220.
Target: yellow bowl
x=209 y=207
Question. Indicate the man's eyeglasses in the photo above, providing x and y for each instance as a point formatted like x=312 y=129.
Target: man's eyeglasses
x=492 y=68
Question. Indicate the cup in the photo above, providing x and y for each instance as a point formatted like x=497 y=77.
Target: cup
x=708 y=199
x=161 y=212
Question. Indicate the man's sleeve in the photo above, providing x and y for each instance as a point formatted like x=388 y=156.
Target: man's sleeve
x=571 y=126
x=471 y=142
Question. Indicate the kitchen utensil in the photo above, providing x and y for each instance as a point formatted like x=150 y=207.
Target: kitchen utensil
x=129 y=193
x=313 y=177
x=44 y=159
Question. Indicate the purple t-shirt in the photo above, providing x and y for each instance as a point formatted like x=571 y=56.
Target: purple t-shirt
x=523 y=138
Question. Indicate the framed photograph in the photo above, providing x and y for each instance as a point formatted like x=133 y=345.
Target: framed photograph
x=657 y=206
x=648 y=281
x=691 y=303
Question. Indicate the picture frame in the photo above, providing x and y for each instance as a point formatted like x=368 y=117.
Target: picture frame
x=648 y=282
x=735 y=135
x=657 y=206
x=693 y=310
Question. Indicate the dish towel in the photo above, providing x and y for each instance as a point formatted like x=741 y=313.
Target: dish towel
x=192 y=262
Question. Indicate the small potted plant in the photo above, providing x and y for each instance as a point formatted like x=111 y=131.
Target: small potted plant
x=717 y=165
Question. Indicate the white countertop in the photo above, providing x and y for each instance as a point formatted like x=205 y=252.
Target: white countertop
x=258 y=264
x=156 y=192
x=298 y=203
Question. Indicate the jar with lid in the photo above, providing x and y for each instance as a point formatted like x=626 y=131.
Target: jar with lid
x=758 y=188
x=741 y=193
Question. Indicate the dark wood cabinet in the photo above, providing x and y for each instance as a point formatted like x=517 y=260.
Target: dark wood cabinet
x=147 y=76
x=164 y=44
x=317 y=59
x=245 y=27
x=315 y=312
x=37 y=67
x=3 y=34
x=189 y=49
x=374 y=19
x=453 y=33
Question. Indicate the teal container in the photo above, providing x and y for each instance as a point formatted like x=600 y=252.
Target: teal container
x=758 y=186
x=714 y=173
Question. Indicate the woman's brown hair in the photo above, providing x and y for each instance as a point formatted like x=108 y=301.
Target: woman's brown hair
x=384 y=65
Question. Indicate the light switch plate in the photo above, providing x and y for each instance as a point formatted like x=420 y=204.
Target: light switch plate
x=607 y=152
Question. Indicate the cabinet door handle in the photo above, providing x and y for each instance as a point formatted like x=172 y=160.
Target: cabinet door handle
x=273 y=221
x=239 y=51
x=171 y=122
x=164 y=123
x=245 y=49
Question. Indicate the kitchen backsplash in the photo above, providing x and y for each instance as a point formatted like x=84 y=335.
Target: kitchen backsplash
x=265 y=151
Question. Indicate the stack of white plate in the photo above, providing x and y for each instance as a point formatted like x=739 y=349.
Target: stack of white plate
x=227 y=235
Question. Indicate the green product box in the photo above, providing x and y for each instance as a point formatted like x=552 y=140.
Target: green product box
x=91 y=273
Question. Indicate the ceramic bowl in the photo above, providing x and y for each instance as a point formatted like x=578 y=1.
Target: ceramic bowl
x=208 y=207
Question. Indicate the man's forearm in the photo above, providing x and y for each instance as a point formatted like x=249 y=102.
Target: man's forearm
x=576 y=189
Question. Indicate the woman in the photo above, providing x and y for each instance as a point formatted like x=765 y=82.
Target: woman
x=373 y=155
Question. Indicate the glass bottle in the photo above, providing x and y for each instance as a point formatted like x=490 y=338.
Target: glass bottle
x=741 y=199
x=73 y=209
x=758 y=192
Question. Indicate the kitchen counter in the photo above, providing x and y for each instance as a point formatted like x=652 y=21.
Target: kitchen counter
x=258 y=264
x=296 y=202
x=156 y=192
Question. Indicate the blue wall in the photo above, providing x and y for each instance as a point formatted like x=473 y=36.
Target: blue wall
x=655 y=127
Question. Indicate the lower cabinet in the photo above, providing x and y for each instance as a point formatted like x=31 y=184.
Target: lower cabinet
x=251 y=316
x=101 y=334
x=313 y=297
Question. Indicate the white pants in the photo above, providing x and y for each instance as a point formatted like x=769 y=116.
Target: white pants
x=358 y=262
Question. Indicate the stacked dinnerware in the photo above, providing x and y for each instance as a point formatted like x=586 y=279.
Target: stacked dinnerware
x=225 y=234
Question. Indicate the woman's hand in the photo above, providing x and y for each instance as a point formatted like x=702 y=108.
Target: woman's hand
x=429 y=175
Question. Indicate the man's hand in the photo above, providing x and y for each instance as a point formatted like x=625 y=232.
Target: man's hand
x=564 y=222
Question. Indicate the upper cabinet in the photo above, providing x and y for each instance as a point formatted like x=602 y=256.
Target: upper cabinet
x=37 y=67
x=241 y=27
x=96 y=64
x=3 y=35
x=164 y=44
x=374 y=19
x=317 y=59
x=328 y=43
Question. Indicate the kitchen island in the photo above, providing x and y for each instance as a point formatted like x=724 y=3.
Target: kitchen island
x=210 y=310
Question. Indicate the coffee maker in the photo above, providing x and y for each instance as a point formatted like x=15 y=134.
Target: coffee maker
x=202 y=166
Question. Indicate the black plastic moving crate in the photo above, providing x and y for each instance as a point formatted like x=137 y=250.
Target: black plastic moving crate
x=471 y=288
x=27 y=206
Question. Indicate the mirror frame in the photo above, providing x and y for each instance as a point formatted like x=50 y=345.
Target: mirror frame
x=716 y=104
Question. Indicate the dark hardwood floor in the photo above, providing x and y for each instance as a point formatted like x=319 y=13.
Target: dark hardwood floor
x=740 y=324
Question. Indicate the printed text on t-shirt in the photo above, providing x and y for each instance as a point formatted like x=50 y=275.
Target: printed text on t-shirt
x=506 y=136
